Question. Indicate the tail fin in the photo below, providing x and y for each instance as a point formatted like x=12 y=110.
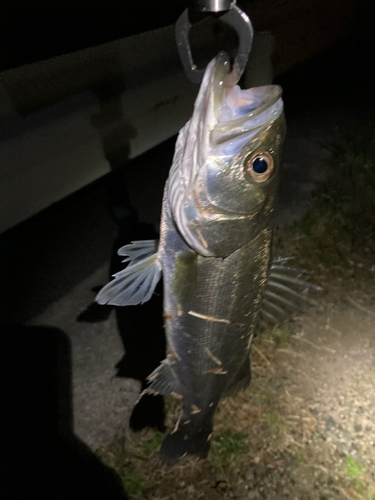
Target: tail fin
x=186 y=441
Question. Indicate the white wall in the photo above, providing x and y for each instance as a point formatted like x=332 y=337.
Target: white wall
x=67 y=121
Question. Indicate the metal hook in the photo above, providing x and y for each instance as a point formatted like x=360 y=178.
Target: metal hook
x=239 y=21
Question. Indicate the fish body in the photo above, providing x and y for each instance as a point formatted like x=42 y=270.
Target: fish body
x=221 y=285
x=209 y=330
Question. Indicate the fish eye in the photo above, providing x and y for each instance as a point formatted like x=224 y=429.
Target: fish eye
x=259 y=166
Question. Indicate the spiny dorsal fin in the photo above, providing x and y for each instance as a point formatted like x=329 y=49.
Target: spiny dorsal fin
x=285 y=295
x=136 y=283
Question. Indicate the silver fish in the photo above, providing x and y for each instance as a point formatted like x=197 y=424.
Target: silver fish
x=221 y=286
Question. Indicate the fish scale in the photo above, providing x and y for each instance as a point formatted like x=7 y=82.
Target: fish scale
x=217 y=349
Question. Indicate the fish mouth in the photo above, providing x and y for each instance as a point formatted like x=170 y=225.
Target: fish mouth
x=239 y=112
x=242 y=121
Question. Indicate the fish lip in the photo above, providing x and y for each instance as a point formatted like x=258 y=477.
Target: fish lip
x=222 y=69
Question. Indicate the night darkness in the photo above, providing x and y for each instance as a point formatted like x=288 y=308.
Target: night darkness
x=72 y=371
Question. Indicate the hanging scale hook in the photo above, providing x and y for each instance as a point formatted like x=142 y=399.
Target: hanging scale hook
x=235 y=18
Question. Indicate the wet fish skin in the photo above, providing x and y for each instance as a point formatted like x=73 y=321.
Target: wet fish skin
x=198 y=346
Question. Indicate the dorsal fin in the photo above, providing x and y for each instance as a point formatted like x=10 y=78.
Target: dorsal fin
x=285 y=295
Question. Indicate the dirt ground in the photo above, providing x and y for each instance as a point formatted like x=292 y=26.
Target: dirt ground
x=305 y=428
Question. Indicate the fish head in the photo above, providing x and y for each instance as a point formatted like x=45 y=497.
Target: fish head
x=224 y=177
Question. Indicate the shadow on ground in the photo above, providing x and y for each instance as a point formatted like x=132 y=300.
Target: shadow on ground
x=42 y=457
x=141 y=331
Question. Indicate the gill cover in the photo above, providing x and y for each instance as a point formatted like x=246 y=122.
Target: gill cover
x=224 y=174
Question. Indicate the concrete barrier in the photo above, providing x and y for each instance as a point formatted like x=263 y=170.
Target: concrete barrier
x=67 y=121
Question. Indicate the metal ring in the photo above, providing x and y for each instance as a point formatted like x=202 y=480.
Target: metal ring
x=239 y=21
x=211 y=5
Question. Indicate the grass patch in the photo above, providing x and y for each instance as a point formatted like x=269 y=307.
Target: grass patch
x=259 y=399
x=275 y=421
x=225 y=448
x=133 y=484
x=149 y=446
x=299 y=455
x=281 y=336
x=120 y=459
x=354 y=470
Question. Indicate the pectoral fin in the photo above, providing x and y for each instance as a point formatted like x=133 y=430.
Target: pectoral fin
x=137 y=251
x=136 y=283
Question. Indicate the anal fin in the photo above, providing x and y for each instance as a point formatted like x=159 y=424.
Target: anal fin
x=163 y=381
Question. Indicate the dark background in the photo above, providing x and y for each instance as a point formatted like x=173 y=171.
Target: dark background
x=35 y=30
x=40 y=29
x=43 y=258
